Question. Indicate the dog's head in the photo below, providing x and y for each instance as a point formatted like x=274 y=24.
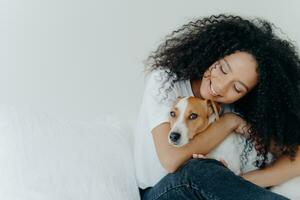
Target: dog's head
x=188 y=117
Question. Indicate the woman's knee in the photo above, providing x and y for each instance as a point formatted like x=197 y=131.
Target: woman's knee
x=197 y=171
x=191 y=174
x=177 y=191
x=201 y=167
x=184 y=178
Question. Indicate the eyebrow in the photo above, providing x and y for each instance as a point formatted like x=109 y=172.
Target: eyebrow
x=231 y=71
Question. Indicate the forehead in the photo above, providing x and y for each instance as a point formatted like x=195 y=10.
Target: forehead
x=181 y=104
x=244 y=67
x=190 y=104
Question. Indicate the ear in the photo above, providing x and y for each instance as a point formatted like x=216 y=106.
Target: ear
x=213 y=109
x=210 y=109
x=218 y=107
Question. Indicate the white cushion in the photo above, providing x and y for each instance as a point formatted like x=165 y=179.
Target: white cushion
x=43 y=157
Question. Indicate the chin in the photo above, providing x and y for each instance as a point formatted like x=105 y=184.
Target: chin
x=206 y=95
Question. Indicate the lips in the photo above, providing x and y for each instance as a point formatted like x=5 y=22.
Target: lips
x=212 y=91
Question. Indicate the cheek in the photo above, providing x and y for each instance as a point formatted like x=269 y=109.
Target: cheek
x=194 y=125
x=204 y=88
x=231 y=97
x=171 y=120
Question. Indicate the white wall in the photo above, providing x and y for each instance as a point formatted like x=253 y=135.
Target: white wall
x=80 y=59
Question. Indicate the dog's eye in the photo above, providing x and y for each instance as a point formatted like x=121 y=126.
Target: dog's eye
x=193 y=116
x=172 y=114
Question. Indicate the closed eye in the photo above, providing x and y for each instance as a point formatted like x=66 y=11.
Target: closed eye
x=223 y=71
x=238 y=91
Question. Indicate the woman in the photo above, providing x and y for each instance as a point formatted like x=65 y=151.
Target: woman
x=254 y=75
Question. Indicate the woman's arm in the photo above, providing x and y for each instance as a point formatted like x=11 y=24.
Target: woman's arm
x=280 y=171
x=172 y=157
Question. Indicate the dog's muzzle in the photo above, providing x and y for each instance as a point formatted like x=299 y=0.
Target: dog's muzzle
x=174 y=136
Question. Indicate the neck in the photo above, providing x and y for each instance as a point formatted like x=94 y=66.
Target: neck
x=196 y=88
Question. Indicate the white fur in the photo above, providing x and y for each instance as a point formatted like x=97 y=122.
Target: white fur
x=179 y=126
x=230 y=150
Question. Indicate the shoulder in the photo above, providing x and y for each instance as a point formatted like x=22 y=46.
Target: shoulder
x=158 y=84
x=225 y=108
x=159 y=76
x=158 y=98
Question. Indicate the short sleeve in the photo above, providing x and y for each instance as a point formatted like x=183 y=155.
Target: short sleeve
x=226 y=108
x=158 y=98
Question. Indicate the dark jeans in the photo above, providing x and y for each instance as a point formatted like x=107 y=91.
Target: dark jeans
x=206 y=179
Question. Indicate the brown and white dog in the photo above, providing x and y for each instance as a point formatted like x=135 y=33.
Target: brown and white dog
x=190 y=116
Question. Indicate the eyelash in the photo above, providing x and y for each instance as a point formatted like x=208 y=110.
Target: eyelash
x=221 y=68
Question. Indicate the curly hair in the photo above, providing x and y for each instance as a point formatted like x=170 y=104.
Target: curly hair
x=272 y=106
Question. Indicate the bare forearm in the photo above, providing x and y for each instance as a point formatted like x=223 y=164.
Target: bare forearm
x=280 y=171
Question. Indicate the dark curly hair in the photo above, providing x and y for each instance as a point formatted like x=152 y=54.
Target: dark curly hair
x=272 y=106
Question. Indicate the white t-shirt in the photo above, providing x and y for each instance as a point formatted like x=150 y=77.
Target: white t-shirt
x=152 y=113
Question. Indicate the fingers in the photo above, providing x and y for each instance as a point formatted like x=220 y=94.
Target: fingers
x=198 y=156
x=224 y=162
x=202 y=156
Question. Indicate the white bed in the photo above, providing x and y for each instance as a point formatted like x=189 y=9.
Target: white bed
x=44 y=157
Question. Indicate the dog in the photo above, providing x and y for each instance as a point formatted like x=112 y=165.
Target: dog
x=190 y=116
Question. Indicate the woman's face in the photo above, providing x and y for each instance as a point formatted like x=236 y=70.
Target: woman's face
x=229 y=78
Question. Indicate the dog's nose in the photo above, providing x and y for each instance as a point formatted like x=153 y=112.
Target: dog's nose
x=174 y=136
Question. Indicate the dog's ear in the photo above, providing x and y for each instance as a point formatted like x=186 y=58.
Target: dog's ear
x=213 y=109
x=210 y=110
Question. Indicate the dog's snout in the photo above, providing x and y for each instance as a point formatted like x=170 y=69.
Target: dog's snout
x=174 y=136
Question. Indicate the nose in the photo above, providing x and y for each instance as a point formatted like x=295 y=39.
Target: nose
x=174 y=136
x=221 y=86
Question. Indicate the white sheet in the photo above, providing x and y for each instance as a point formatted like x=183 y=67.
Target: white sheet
x=45 y=158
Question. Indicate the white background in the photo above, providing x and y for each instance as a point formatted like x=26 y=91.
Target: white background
x=81 y=59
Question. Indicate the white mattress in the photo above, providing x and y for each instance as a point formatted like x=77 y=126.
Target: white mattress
x=43 y=157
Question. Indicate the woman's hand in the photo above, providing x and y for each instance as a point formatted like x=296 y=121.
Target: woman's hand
x=241 y=126
x=203 y=156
